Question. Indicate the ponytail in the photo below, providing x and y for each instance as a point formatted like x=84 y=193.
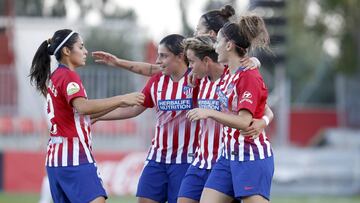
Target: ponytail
x=40 y=68
x=253 y=28
x=248 y=34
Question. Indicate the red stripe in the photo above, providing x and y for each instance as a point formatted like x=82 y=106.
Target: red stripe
x=70 y=151
x=206 y=144
x=60 y=155
x=202 y=90
x=175 y=141
x=216 y=141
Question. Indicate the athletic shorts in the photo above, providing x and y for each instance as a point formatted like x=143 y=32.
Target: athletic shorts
x=75 y=184
x=193 y=183
x=161 y=182
x=240 y=179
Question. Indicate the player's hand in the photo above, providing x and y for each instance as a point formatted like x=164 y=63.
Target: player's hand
x=133 y=99
x=104 y=58
x=198 y=114
x=249 y=63
x=255 y=128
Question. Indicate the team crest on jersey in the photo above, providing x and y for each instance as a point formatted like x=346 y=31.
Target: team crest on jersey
x=230 y=88
x=72 y=88
x=246 y=97
x=188 y=91
x=222 y=98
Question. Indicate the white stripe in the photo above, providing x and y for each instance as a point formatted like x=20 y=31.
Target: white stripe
x=65 y=151
x=47 y=151
x=158 y=152
x=196 y=160
x=207 y=85
x=75 y=151
x=202 y=142
x=87 y=122
x=159 y=90
x=226 y=151
x=268 y=145
x=191 y=141
x=260 y=148
x=56 y=155
x=241 y=147
x=211 y=140
x=81 y=136
x=232 y=144
x=252 y=158
x=169 y=142
x=152 y=93
x=181 y=140
x=169 y=90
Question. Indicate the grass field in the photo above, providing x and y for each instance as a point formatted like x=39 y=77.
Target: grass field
x=33 y=198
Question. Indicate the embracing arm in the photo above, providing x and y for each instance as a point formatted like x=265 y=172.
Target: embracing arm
x=258 y=125
x=240 y=121
x=141 y=68
x=94 y=106
x=123 y=113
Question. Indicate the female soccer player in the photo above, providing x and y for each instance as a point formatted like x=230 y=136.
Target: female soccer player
x=203 y=61
x=173 y=146
x=246 y=167
x=70 y=164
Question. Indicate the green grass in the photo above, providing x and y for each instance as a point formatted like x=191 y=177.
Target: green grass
x=33 y=198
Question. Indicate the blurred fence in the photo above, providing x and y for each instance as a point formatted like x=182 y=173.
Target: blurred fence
x=8 y=90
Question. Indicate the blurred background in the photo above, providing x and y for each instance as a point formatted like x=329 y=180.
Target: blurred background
x=313 y=76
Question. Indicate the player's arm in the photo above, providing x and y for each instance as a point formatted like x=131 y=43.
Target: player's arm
x=94 y=106
x=240 y=121
x=141 y=68
x=258 y=125
x=123 y=113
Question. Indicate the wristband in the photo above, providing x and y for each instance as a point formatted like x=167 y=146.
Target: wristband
x=266 y=119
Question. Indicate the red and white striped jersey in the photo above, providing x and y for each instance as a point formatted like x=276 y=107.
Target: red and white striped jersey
x=244 y=90
x=175 y=137
x=70 y=143
x=210 y=136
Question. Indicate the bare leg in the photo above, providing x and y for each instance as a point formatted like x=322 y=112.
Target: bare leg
x=186 y=200
x=255 y=199
x=146 y=200
x=99 y=200
x=212 y=196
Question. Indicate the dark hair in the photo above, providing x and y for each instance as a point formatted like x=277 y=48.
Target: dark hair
x=202 y=46
x=250 y=33
x=173 y=43
x=215 y=19
x=40 y=66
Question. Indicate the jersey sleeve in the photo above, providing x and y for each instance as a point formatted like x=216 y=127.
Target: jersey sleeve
x=72 y=87
x=248 y=90
x=148 y=102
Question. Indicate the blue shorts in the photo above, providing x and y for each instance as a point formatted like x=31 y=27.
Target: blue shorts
x=240 y=179
x=161 y=182
x=193 y=183
x=75 y=184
